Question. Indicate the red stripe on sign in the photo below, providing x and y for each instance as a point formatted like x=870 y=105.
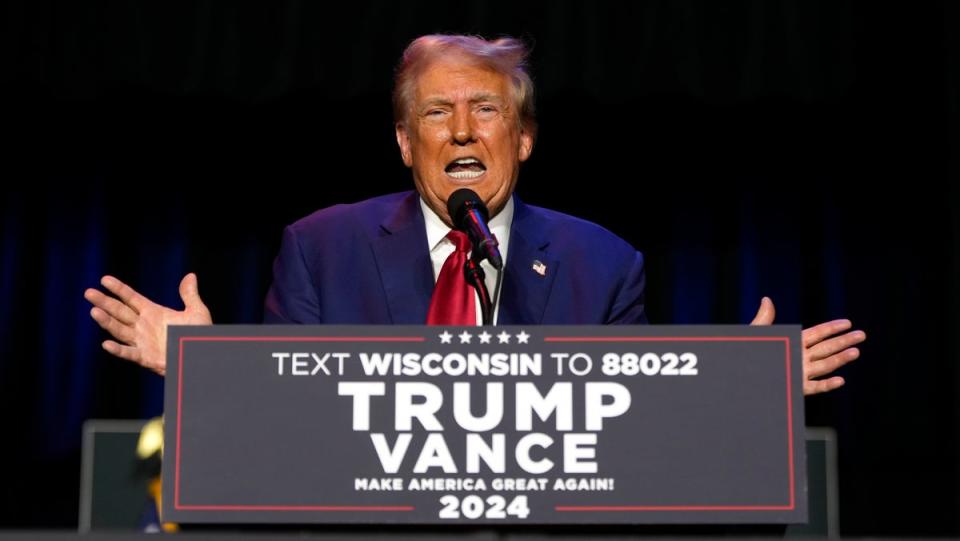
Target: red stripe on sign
x=304 y=338
x=176 y=482
x=297 y=507
x=602 y=508
x=790 y=422
x=663 y=338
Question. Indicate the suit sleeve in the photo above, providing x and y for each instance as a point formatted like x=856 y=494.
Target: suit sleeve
x=292 y=297
x=628 y=307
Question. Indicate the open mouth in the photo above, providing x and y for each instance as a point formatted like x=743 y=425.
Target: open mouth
x=465 y=168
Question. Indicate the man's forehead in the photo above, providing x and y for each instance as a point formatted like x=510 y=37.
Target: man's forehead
x=459 y=77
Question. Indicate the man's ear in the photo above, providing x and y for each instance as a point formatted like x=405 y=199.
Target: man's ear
x=403 y=141
x=527 y=137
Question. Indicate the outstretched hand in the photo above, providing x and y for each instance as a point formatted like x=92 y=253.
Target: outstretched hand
x=823 y=350
x=140 y=325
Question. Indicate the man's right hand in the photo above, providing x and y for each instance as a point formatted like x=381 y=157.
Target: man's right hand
x=140 y=324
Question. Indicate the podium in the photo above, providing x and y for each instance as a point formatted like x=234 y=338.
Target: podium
x=551 y=425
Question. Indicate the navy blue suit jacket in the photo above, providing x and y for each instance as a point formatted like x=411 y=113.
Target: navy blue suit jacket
x=368 y=263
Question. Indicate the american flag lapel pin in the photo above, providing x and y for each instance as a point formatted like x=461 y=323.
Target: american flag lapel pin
x=539 y=267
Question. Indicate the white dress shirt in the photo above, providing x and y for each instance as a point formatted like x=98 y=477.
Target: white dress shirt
x=441 y=247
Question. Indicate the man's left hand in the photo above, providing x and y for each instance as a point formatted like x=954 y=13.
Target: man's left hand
x=823 y=350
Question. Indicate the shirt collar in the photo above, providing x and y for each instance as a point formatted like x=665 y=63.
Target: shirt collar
x=499 y=226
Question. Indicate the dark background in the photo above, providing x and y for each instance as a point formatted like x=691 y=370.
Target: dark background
x=805 y=150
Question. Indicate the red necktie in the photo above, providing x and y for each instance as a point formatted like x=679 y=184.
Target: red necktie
x=453 y=298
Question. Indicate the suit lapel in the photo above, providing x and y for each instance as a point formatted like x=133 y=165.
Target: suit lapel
x=525 y=290
x=403 y=260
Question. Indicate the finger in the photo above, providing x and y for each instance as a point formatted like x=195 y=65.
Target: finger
x=827 y=348
x=766 y=313
x=129 y=353
x=831 y=363
x=818 y=386
x=190 y=292
x=113 y=326
x=110 y=305
x=126 y=293
x=819 y=332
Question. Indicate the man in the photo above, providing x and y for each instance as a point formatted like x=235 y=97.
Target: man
x=464 y=117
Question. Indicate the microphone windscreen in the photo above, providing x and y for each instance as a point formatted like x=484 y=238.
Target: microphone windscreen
x=461 y=202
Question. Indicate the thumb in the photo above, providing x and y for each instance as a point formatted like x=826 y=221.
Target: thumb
x=190 y=293
x=766 y=313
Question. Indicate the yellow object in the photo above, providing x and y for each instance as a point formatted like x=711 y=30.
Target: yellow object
x=151 y=439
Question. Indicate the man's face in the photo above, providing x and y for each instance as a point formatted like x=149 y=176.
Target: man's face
x=463 y=132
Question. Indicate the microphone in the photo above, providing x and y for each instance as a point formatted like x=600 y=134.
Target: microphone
x=470 y=215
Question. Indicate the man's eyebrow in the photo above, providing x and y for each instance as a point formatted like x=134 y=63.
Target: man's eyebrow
x=431 y=102
x=486 y=97
x=476 y=98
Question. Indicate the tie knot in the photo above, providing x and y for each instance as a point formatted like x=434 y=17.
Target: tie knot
x=460 y=240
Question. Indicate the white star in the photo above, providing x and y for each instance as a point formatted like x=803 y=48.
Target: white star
x=522 y=337
x=484 y=337
x=445 y=337
x=465 y=337
x=504 y=337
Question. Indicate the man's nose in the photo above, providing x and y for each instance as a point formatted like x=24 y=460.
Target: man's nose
x=463 y=131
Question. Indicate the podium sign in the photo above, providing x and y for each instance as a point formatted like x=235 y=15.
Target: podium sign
x=432 y=425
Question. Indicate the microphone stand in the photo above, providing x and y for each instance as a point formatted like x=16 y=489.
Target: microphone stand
x=475 y=276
